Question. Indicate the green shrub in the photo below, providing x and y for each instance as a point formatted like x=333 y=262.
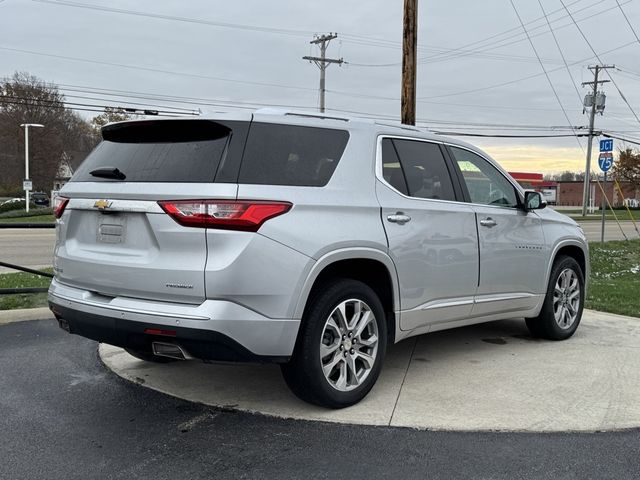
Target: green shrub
x=8 y=207
x=32 y=212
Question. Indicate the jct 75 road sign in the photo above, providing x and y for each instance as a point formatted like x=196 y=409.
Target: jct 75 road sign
x=606 y=145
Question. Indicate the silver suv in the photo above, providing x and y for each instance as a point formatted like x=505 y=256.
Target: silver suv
x=311 y=241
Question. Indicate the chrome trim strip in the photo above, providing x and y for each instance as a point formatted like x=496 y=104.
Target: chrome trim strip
x=462 y=301
x=502 y=297
x=435 y=304
x=143 y=206
x=129 y=310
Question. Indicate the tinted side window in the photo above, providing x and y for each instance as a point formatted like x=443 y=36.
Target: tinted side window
x=391 y=169
x=485 y=183
x=425 y=170
x=159 y=151
x=291 y=155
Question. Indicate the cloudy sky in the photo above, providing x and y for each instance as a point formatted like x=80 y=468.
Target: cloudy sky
x=478 y=72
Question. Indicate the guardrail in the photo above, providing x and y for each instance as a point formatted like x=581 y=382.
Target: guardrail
x=11 y=291
x=27 y=225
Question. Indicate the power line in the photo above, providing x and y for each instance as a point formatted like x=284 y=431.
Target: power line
x=564 y=60
x=528 y=77
x=357 y=39
x=155 y=70
x=630 y=72
x=256 y=28
x=628 y=22
x=172 y=98
x=184 y=110
x=535 y=51
x=507 y=41
x=599 y=60
x=461 y=51
x=608 y=135
x=49 y=103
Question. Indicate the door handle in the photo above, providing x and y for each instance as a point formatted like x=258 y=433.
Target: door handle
x=399 y=218
x=488 y=222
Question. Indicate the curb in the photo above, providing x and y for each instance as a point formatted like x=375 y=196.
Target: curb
x=25 y=314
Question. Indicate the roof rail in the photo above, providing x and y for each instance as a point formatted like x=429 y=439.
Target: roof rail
x=283 y=111
x=401 y=125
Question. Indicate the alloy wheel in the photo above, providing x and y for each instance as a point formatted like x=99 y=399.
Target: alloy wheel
x=566 y=298
x=349 y=345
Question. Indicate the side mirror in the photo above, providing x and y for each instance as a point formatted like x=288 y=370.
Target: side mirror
x=533 y=201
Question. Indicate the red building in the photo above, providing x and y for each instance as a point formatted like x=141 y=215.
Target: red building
x=569 y=194
x=535 y=181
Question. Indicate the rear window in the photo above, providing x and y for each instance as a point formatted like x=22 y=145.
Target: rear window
x=159 y=151
x=291 y=155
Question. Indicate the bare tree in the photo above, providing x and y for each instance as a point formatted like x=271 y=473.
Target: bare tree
x=27 y=99
x=628 y=166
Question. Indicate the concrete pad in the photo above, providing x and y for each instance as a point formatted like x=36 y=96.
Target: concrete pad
x=258 y=388
x=485 y=377
x=24 y=314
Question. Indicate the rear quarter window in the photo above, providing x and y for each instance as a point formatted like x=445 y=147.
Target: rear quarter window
x=278 y=154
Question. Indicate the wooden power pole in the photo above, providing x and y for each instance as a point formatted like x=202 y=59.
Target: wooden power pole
x=592 y=115
x=323 y=62
x=409 y=48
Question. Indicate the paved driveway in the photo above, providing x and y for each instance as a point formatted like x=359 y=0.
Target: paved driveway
x=64 y=416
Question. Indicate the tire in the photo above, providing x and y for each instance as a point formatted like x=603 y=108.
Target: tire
x=341 y=357
x=149 y=357
x=547 y=324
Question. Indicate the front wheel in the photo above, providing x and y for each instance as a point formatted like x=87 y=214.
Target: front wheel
x=341 y=346
x=562 y=309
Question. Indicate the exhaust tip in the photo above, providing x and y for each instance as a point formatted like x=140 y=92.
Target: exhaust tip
x=169 y=350
x=64 y=325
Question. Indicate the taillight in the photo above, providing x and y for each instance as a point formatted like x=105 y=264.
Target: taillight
x=60 y=205
x=246 y=215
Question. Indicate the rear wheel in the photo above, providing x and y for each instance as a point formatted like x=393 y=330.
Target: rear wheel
x=562 y=309
x=149 y=357
x=341 y=346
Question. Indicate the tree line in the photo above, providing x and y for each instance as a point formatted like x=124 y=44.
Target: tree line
x=28 y=99
x=626 y=168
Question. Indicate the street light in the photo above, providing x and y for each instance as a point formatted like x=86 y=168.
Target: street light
x=26 y=160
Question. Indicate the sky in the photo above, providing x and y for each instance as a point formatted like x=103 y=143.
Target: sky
x=478 y=72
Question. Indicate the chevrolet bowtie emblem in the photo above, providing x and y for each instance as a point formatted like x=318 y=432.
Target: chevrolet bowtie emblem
x=102 y=204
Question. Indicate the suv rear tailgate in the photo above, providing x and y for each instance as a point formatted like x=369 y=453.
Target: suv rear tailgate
x=130 y=248
x=114 y=239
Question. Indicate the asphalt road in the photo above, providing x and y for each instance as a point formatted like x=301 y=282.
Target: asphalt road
x=612 y=231
x=64 y=416
x=27 y=247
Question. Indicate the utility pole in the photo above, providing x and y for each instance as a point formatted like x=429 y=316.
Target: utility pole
x=409 y=47
x=322 y=62
x=592 y=117
x=27 y=186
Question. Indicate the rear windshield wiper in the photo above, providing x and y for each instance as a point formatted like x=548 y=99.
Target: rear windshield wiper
x=108 y=172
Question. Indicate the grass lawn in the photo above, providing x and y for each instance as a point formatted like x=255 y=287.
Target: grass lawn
x=614 y=286
x=615 y=277
x=23 y=280
x=33 y=219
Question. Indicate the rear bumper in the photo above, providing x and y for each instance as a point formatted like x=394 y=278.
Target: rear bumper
x=214 y=330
